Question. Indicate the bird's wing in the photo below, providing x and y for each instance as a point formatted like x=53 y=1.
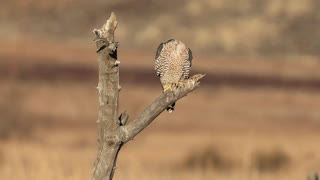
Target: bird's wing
x=159 y=50
x=190 y=56
x=187 y=64
x=159 y=60
x=161 y=56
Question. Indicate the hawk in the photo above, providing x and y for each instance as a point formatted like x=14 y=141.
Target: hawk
x=173 y=63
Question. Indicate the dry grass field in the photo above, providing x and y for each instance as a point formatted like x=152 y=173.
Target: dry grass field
x=252 y=118
x=255 y=117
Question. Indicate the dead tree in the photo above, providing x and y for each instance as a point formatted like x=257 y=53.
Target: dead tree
x=113 y=131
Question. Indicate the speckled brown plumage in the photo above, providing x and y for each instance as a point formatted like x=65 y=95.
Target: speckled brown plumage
x=173 y=63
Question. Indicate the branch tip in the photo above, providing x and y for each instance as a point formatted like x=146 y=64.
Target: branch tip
x=106 y=32
x=197 y=77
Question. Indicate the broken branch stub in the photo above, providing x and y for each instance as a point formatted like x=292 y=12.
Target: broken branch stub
x=107 y=31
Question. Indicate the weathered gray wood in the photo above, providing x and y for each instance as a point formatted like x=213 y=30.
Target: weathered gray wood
x=112 y=130
x=108 y=88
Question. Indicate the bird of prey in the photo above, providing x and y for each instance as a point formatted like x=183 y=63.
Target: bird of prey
x=173 y=63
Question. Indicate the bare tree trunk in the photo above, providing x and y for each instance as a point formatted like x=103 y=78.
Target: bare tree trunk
x=113 y=131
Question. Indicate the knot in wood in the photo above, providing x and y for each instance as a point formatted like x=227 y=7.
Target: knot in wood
x=113 y=140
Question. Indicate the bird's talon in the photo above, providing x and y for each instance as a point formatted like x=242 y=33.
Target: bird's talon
x=181 y=84
x=166 y=89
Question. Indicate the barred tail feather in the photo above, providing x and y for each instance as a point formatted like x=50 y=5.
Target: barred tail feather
x=171 y=107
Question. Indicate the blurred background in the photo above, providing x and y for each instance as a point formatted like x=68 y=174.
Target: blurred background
x=255 y=117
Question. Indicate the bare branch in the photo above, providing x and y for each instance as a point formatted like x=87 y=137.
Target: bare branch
x=129 y=131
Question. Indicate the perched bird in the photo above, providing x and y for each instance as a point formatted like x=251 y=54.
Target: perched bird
x=173 y=63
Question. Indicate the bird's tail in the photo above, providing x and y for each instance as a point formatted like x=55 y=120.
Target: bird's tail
x=170 y=108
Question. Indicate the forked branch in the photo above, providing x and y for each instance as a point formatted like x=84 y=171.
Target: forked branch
x=112 y=129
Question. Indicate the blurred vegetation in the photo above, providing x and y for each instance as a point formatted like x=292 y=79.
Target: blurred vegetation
x=271 y=161
x=208 y=158
x=211 y=158
x=222 y=27
x=13 y=121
